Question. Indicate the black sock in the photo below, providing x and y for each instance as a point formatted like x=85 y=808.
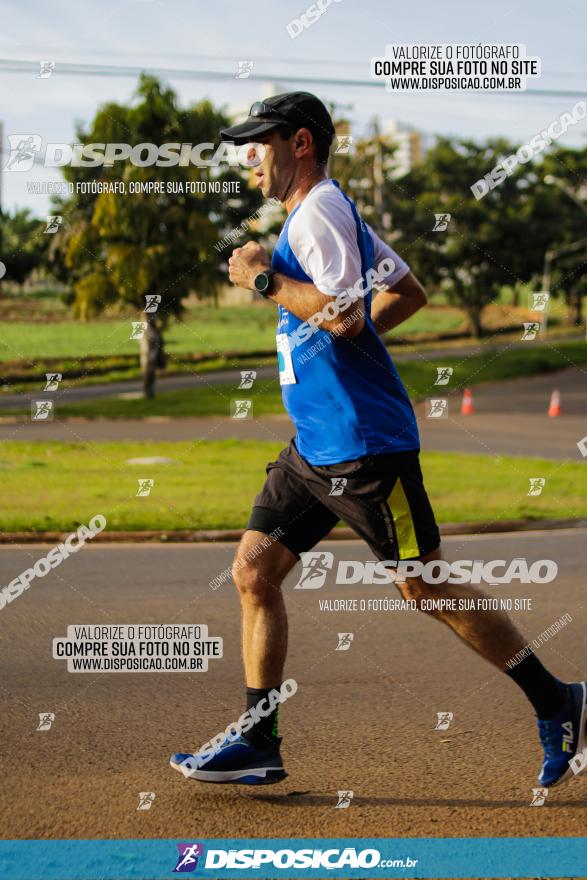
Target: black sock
x=263 y=733
x=546 y=693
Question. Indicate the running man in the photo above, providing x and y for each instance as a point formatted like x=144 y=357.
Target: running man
x=356 y=431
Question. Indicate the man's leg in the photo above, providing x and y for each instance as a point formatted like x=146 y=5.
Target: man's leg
x=492 y=635
x=258 y=572
x=261 y=563
x=287 y=520
x=561 y=708
x=385 y=502
x=252 y=757
x=489 y=633
x=396 y=519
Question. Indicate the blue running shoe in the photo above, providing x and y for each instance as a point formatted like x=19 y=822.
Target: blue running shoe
x=563 y=738
x=236 y=761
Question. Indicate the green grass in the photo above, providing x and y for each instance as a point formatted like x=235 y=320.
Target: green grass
x=418 y=377
x=213 y=484
x=203 y=329
x=100 y=371
x=432 y=320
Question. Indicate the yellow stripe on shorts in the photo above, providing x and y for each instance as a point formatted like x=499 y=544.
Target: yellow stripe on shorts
x=404 y=524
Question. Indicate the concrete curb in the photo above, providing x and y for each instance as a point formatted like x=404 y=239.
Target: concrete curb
x=186 y=536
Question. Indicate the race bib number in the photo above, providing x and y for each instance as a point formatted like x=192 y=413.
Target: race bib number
x=287 y=375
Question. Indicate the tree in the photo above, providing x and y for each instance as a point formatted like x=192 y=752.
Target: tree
x=130 y=249
x=563 y=193
x=479 y=252
x=23 y=244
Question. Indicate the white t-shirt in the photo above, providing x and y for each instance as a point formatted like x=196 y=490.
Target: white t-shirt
x=323 y=236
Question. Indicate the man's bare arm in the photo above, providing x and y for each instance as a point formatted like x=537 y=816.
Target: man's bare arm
x=393 y=307
x=304 y=301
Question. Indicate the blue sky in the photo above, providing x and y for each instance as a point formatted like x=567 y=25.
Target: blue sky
x=215 y=36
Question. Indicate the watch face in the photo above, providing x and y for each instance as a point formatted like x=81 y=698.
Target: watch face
x=262 y=282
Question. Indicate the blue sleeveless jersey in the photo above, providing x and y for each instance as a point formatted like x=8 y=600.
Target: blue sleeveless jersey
x=344 y=396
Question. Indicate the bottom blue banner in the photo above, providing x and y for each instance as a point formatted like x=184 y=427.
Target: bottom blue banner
x=343 y=857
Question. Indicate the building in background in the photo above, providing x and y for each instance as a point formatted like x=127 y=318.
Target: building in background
x=409 y=147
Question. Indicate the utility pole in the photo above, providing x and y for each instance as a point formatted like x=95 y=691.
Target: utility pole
x=1 y=163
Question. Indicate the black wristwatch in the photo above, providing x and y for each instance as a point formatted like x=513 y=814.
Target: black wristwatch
x=263 y=282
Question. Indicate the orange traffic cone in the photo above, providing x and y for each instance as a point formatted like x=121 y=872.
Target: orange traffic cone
x=467 y=408
x=554 y=408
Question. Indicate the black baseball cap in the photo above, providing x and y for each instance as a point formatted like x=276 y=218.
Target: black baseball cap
x=292 y=109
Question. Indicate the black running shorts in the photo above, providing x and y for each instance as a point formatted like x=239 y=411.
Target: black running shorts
x=382 y=498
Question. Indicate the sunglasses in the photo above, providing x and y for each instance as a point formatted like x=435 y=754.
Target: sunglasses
x=262 y=109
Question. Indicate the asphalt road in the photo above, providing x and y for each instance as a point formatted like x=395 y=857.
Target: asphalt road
x=75 y=392
x=510 y=418
x=69 y=394
x=362 y=720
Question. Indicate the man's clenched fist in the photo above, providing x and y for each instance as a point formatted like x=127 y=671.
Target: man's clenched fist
x=246 y=262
